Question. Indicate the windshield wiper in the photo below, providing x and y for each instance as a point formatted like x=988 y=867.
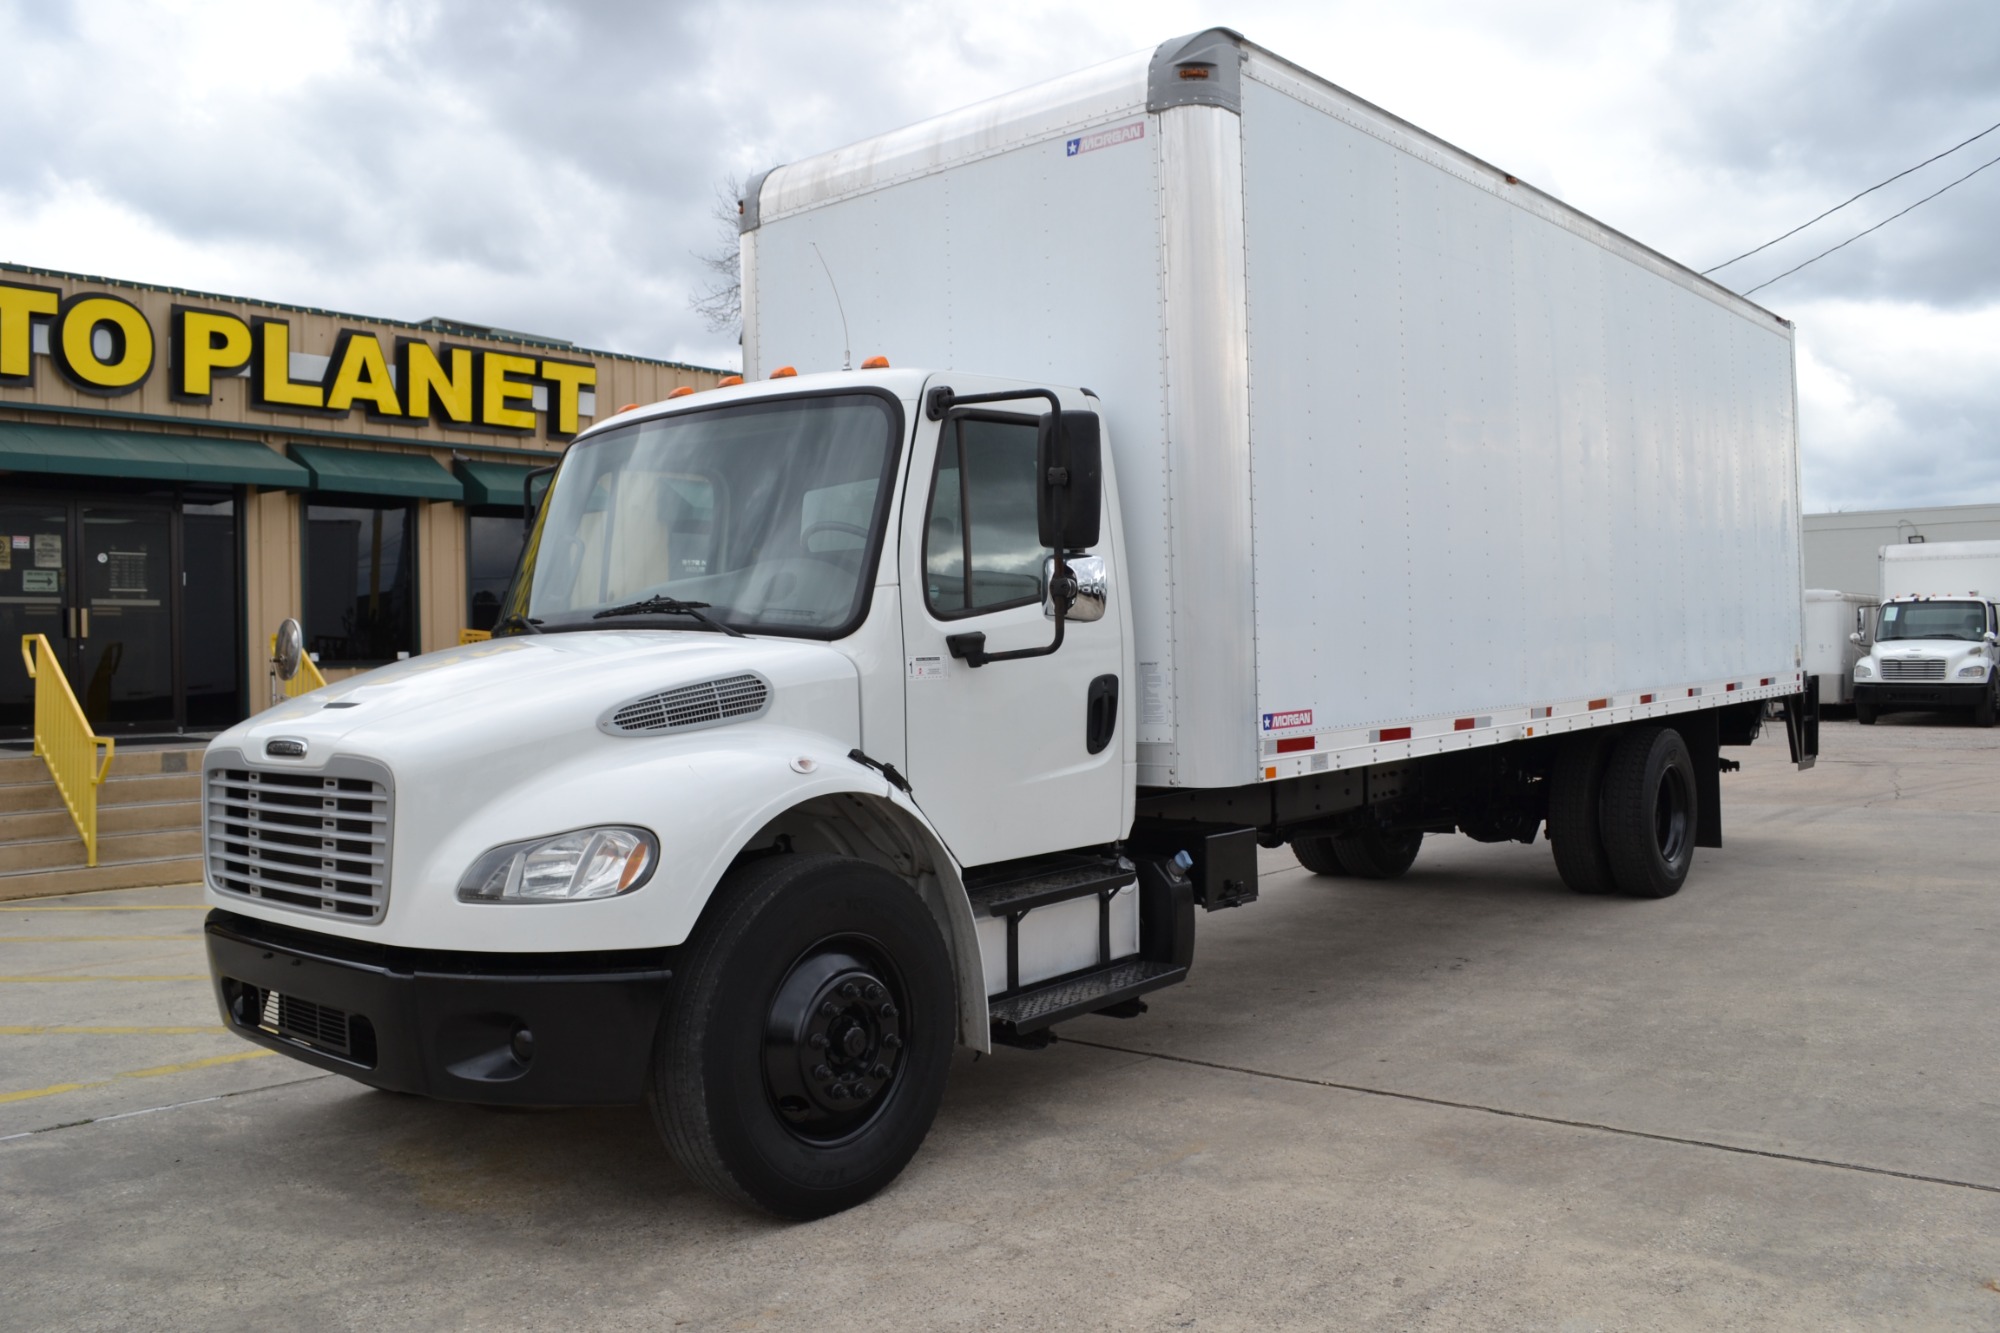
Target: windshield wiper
x=527 y=625
x=669 y=606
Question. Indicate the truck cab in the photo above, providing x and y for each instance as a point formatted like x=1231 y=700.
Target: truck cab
x=1930 y=653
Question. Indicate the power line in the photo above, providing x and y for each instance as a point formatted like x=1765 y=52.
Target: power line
x=1845 y=202
x=1877 y=227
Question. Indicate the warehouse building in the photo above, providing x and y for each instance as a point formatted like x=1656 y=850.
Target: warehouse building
x=1841 y=551
x=181 y=471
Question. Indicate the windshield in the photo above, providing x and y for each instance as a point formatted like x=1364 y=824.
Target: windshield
x=1933 y=620
x=769 y=513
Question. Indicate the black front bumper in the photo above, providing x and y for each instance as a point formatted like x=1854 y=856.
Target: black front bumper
x=1932 y=694
x=506 y=1029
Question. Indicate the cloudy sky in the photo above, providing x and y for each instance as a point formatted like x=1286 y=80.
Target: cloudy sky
x=553 y=167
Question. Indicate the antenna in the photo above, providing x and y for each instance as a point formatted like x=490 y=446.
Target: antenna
x=846 y=343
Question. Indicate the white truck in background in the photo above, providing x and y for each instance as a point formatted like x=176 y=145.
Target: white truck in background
x=1281 y=474
x=1937 y=632
x=1838 y=628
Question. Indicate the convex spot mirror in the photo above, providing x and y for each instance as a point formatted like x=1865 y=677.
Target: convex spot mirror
x=1072 y=480
x=289 y=649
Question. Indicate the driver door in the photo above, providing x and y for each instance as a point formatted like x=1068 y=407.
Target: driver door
x=999 y=755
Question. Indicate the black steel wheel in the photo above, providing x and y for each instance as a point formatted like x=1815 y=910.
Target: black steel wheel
x=1649 y=812
x=1319 y=856
x=1377 y=853
x=1575 y=834
x=807 y=1036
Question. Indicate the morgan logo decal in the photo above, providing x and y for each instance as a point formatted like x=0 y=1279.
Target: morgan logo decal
x=1298 y=717
x=1111 y=138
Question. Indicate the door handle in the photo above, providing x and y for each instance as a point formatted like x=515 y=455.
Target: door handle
x=83 y=621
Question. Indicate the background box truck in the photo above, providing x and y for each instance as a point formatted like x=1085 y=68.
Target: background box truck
x=1280 y=474
x=1934 y=641
x=1838 y=628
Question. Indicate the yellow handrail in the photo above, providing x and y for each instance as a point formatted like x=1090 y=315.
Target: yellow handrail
x=64 y=740
x=305 y=680
x=466 y=636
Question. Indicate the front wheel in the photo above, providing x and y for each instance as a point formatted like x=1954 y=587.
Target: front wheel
x=807 y=1037
x=1865 y=714
x=1984 y=713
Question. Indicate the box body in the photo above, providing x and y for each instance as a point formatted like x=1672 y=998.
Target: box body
x=1411 y=455
x=1942 y=569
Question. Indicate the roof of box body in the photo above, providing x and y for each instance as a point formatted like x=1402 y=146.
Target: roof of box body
x=1135 y=84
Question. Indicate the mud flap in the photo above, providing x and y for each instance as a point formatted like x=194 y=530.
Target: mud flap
x=1802 y=723
x=1703 y=738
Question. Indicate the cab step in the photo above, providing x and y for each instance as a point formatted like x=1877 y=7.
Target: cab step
x=1029 y=1011
x=1024 y=887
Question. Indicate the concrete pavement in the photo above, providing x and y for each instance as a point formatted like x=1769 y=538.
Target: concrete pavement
x=1467 y=1099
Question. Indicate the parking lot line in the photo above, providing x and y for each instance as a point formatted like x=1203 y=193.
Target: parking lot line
x=141 y=907
x=191 y=976
x=182 y=1068
x=95 y=939
x=64 y=1029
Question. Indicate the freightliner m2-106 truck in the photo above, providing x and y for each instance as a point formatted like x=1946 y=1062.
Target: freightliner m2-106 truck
x=1279 y=474
x=1937 y=633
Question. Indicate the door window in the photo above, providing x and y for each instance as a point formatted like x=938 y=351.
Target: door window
x=360 y=601
x=982 y=543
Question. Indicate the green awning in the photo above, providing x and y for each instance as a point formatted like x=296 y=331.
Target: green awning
x=497 y=483
x=365 y=472
x=124 y=453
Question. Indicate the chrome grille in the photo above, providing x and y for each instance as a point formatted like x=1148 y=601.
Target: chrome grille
x=312 y=841
x=702 y=705
x=1912 y=668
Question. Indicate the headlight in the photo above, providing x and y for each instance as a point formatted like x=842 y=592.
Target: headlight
x=1862 y=671
x=1974 y=670
x=570 y=867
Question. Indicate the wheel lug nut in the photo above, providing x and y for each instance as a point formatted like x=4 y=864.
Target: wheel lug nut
x=818 y=1040
x=892 y=1041
x=874 y=992
x=822 y=1073
x=879 y=1071
x=828 y=1009
x=888 y=1011
x=837 y=1092
x=860 y=1094
x=850 y=990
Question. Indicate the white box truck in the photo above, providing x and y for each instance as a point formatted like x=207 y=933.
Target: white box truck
x=1247 y=467
x=1838 y=628
x=1935 y=633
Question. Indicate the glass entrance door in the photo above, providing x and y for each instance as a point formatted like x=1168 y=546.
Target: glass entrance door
x=122 y=655
x=139 y=599
x=34 y=599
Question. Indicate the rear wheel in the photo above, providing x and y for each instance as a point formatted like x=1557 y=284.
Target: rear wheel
x=1648 y=812
x=806 y=1040
x=1377 y=853
x=1575 y=834
x=1319 y=856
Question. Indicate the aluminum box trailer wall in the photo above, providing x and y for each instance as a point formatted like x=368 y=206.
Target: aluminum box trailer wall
x=1830 y=618
x=1413 y=457
x=1941 y=569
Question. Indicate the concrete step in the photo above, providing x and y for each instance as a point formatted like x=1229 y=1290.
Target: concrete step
x=40 y=794
x=148 y=788
x=16 y=766
x=65 y=851
x=80 y=879
x=33 y=825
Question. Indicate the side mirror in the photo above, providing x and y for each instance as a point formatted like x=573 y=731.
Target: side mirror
x=1854 y=637
x=532 y=496
x=290 y=648
x=1072 y=480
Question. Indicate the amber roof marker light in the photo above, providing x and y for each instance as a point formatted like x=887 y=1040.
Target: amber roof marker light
x=728 y=380
x=784 y=373
x=876 y=363
x=682 y=392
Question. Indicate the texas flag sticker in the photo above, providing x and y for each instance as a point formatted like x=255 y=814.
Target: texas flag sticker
x=1298 y=717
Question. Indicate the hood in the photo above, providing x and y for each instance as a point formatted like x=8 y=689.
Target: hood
x=541 y=693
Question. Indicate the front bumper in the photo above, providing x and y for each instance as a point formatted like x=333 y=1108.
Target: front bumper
x=1934 y=694
x=445 y=1025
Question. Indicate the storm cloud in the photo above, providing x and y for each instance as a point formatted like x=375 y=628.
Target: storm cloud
x=554 y=167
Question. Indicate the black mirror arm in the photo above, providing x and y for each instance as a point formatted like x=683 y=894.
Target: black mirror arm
x=970 y=648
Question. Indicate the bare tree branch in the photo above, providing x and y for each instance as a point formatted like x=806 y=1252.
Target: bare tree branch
x=719 y=301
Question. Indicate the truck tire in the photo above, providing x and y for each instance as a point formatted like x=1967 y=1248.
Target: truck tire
x=1984 y=713
x=1319 y=856
x=1575 y=833
x=807 y=1036
x=1864 y=714
x=1648 y=811
x=1377 y=853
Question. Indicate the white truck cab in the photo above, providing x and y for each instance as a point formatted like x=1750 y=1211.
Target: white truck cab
x=1937 y=633
x=835 y=719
